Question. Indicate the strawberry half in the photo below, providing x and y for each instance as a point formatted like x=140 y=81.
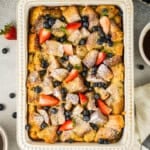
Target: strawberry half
x=104 y=108
x=68 y=125
x=44 y=35
x=46 y=100
x=83 y=99
x=100 y=58
x=74 y=26
x=72 y=75
x=9 y=32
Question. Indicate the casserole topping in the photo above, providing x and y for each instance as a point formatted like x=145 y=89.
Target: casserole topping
x=75 y=74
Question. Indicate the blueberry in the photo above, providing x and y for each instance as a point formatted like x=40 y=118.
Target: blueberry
x=85 y=25
x=110 y=43
x=86 y=112
x=42 y=73
x=84 y=18
x=14 y=115
x=59 y=132
x=96 y=96
x=140 y=66
x=62 y=39
x=101 y=85
x=90 y=89
x=82 y=42
x=110 y=55
x=51 y=21
x=43 y=125
x=97 y=28
x=69 y=67
x=103 y=141
x=12 y=95
x=87 y=84
x=94 y=126
x=86 y=118
x=44 y=63
x=37 y=89
x=5 y=50
x=93 y=70
x=2 y=107
x=96 y=84
x=63 y=90
x=46 y=108
x=64 y=58
x=108 y=37
x=46 y=25
x=67 y=113
x=70 y=141
x=85 y=68
x=101 y=40
x=56 y=83
x=83 y=73
x=47 y=16
x=53 y=110
x=27 y=127
x=67 y=117
x=62 y=18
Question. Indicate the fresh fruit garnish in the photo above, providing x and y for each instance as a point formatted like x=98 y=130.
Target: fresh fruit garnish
x=47 y=100
x=83 y=99
x=44 y=35
x=68 y=49
x=100 y=58
x=68 y=125
x=104 y=108
x=74 y=26
x=9 y=32
x=72 y=75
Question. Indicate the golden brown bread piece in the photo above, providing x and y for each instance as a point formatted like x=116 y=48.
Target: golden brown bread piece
x=33 y=43
x=35 y=13
x=48 y=134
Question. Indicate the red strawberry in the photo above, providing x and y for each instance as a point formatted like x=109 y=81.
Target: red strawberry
x=46 y=100
x=74 y=26
x=9 y=32
x=83 y=99
x=68 y=125
x=100 y=58
x=44 y=35
x=68 y=49
x=104 y=108
x=72 y=75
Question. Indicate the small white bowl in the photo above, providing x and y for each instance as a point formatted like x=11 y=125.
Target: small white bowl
x=4 y=138
x=141 y=49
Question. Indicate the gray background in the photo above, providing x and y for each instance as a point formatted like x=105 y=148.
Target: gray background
x=8 y=64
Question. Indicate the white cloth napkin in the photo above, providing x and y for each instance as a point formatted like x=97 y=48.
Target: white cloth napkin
x=142 y=118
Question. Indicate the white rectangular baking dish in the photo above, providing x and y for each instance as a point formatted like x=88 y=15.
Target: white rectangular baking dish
x=127 y=139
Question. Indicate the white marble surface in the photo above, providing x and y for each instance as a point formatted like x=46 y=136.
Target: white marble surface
x=8 y=63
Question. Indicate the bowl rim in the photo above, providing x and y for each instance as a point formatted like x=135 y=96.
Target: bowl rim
x=4 y=138
x=141 y=39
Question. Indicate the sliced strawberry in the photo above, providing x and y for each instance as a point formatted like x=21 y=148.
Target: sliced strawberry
x=74 y=26
x=72 y=75
x=46 y=100
x=104 y=108
x=68 y=49
x=44 y=35
x=83 y=99
x=68 y=125
x=100 y=58
x=9 y=32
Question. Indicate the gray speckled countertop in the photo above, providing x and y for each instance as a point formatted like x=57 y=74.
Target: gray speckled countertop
x=8 y=64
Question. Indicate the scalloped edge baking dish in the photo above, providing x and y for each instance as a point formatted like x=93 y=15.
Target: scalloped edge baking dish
x=127 y=139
